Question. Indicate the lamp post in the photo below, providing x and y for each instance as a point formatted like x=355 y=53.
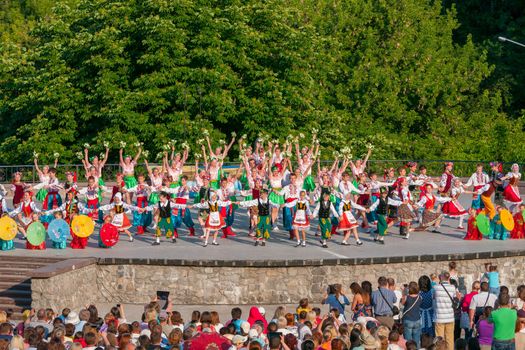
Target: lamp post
x=503 y=39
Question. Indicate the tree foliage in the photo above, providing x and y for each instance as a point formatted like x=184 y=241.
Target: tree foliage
x=394 y=73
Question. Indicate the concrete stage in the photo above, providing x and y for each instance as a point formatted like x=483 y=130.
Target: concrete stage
x=241 y=248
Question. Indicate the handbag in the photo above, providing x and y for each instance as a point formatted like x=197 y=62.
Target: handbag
x=395 y=309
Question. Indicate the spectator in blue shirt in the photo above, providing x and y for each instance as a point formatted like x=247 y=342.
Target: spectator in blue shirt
x=383 y=300
x=492 y=275
x=335 y=298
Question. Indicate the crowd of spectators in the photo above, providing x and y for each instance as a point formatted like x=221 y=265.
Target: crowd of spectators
x=433 y=313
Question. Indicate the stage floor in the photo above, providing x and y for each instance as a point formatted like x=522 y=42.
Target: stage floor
x=241 y=247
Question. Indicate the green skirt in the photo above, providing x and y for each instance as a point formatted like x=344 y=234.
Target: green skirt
x=264 y=225
x=100 y=183
x=130 y=181
x=356 y=185
x=325 y=226
x=41 y=195
x=215 y=184
x=309 y=184
x=233 y=199
x=153 y=198
x=277 y=199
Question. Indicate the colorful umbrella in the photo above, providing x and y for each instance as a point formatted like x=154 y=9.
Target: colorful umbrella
x=506 y=219
x=8 y=228
x=36 y=233
x=58 y=230
x=109 y=235
x=483 y=223
x=82 y=226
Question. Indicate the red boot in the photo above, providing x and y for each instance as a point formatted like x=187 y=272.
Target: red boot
x=175 y=233
x=192 y=231
x=224 y=233
x=140 y=230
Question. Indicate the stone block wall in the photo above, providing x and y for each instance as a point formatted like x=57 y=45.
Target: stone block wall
x=201 y=285
x=274 y=285
x=73 y=289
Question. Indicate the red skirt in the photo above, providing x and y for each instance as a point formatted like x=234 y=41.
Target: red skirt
x=363 y=199
x=300 y=221
x=215 y=221
x=121 y=225
x=511 y=194
x=347 y=223
x=453 y=209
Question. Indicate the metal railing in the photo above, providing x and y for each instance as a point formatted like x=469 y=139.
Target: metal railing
x=462 y=168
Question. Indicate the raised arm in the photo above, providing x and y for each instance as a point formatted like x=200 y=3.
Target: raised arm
x=227 y=148
x=204 y=157
x=121 y=159
x=209 y=146
x=185 y=155
x=37 y=168
x=150 y=173
x=137 y=156
x=55 y=163
x=367 y=157
x=103 y=161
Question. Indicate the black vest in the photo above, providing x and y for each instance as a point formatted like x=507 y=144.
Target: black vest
x=165 y=212
x=325 y=190
x=204 y=193
x=382 y=207
x=264 y=208
x=119 y=208
x=324 y=210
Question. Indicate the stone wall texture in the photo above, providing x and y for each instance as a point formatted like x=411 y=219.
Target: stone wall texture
x=241 y=285
x=73 y=289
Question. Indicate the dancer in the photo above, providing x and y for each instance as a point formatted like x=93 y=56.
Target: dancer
x=381 y=207
x=405 y=213
x=301 y=223
x=71 y=208
x=431 y=217
x=117 y=212
x=519 y=224
x=214 y=220
x=181 y=214
x=453 y=208
x=141 y=220
x=276 y=179
x=359 y=166
x=477 y=181
x=290 y=194
x=226 y=207
x=492 y=187
x=91 y=192
x=26 y=213
x=155 y=176
x=445 y=183
x=18 y=188
x=43 y=176
x=497 y=230
x=164 y=219
x=263 y=204
x=347 y=222
x=324 y=209
x=473 y=233
x=511 y=192
x=176 y=166
x=128 y=169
